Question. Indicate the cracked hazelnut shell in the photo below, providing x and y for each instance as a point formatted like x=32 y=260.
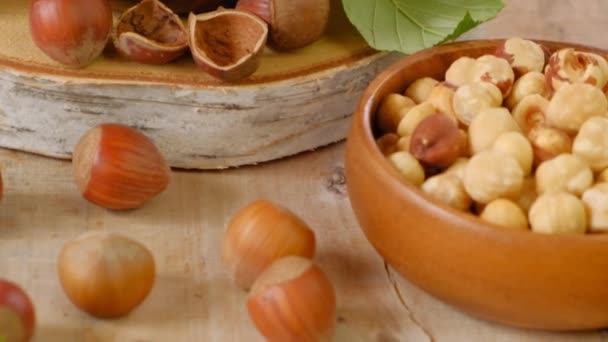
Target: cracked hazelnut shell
x=151 y=33
x=227 y=44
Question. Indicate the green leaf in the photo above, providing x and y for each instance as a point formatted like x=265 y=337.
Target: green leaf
x=411 y=25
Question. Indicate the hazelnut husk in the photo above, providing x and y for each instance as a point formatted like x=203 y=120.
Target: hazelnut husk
x=151 y=33
x=227 y=44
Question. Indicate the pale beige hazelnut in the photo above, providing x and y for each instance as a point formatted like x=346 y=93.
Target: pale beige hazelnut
x=458 y=167
x=523 y=55
x=391 y=111
x=591 y=143
x=558 y=213
x=547 y=143
x=532 y=83
x=414 y=116
x=494 y=70
x=448 y=189
x=403 y=144
x=565 y=172
x=490 y=175
x=408 y=167
x=420 y=89
x=459 y=72
x=530 y=112
x=596 y=200
x=505 y=213
x=568 y=66
x=602 y=176
x=573 y=104
x=471 y=98
x=487 y=126
x=528 y=194
x=387 y=143
x=517 y=146
x=442 y=97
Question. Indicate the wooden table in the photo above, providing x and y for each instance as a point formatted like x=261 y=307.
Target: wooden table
x=193 y=299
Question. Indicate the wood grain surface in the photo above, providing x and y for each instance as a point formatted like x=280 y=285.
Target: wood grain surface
x=193 y=299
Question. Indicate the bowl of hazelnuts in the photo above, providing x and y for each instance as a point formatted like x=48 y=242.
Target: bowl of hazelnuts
x=479 y=171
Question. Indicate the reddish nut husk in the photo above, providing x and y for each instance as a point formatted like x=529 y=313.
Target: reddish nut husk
x=118 y=167
x=437 y=141
x=293 y=300
x=17 y=314
x=151 y=33
x=227 y=44
x=293 y=23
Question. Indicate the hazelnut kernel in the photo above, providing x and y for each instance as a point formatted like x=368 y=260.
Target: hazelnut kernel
x=591 y=143
x=490 y=175
x=388 y=143
x=504 y=213
x=565 y=172
x=437 y=141
x=459 y=72
x=414 y=116
x=596 y=200
x=602 y=177
x=471 y=98
x=408 y=167
x=403 y=144
x=530 y=112
x=494 y=70
x=568 y=66
x=573 y=104
x=420 y=89
x=487 y=126
x=517 y=146
x=528 y=194
x=558 y=213
x=523 y=55
x=441 y=97
x=458 y=167
x=529 y=84
x=391 y=112
x=448 y=189
x=547 y=143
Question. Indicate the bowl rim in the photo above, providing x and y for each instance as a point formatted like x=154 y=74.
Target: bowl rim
x=364 y=115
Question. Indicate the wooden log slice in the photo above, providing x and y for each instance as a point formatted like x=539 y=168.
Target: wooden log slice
x=295 y=102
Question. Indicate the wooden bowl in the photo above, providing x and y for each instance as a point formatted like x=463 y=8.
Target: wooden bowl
x=518 y=278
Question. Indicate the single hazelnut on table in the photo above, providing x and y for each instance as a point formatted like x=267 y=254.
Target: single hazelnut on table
x=118 y=167
x=414 y=117
x=530 y=112
x=420 y=89
x=591 y=143
x=437 y=141
x=487 y=126
x=293 y=300
x=547 y=143
x=293 y=23
x=568 y=66
x=494 y=70
x=504 y=213
x=491 y=174
x=227 y=44
x=151 y=33
x=573 y=104
x=472 y=98
x=408 y=166
x=528 y=194
x=565 y=172
x=387 y=143
x=516 y=145
x=106 y=275
x=259 y=234
x=596 y=200
x=391 y=110
x=442 y=98
x=459 y=72
x=558 y=213
x=532 y=83
x=523 y=55
x=17 y=313
x=448 y=189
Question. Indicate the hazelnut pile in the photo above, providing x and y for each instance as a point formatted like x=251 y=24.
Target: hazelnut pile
x=518 y=137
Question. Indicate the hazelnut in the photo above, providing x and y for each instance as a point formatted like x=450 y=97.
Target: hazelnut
x=437 y=141
x=471 y=98
x=547 y=143
x=591 y=143
x=408 y=166
x=487 y=126
x=420 y=89
x=494 y=70
x=413 y=117
x=530 y=112
x=531 y=83
x=523 y=55
x=392 y=109
x=602 y=177
x=573 y=104
x=388 y=143
x=458 y=167
x=517 y=146
x=403 y=144
x=448 y=189
x=442 y=97
x=459 y=72
x=558 y=213
x=568 y=66
x=528 y=194
x=565 y=172
x=490 y=175
x=596 y=200
x=504 y=213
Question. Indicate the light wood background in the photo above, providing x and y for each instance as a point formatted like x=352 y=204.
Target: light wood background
x=193 y=299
